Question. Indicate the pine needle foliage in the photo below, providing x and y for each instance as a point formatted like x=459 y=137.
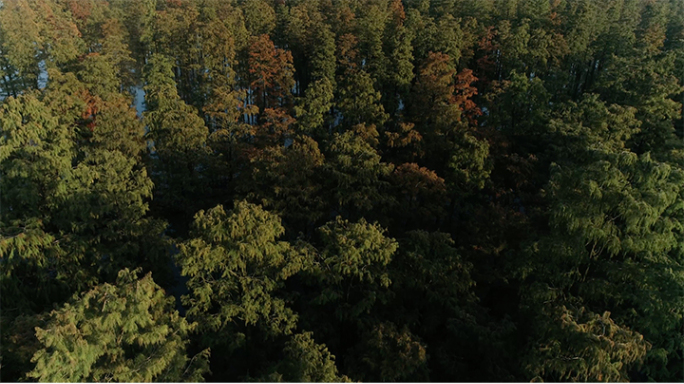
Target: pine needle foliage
x=123 y=332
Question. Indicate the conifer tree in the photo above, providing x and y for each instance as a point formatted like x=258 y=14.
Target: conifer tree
x=389 y=354
x=123 y=332
x=235 y=266
x=351 y=268
x=616 y=218
x=313 y=111
x=306 y=361
x=178 y=135
x=356 y=173
x=526 y=155
x=444 y=112
x=287 y=180
x=269 y=73
x=260 y=17
x=79 y=181
x=138 y=20
x=358 y=100
x=397 y=43
x=312 y=43
x=21 y=40
x=421 y=194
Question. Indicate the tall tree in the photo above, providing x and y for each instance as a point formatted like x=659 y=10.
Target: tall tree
x=269 y=74
x=178 y=135
x=236 y=269
x=312 y=43
x=123 y=332
x=357 y=176
x=21 y=39
x=615 y=218
x=358 y=100
x=445 y=116
x=260 y=17
x=306 y=360
x=252 y=264
x=289 y=181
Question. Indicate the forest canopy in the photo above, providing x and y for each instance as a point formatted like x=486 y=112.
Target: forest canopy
x=341 y=190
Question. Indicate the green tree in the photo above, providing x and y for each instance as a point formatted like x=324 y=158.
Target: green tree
x=357 y=175
x=35 y=31
x=287 y=180
x=399 y=51
x=237 y=271
x=138 y=20
x=423 y=28
x=359 y=102
x=584 y=346
x=235 y=266
x=435 y=302
x=178 y=135
x=313 y=111
x=123 y=332
x=357 y=99
x=306 y=361
x=421 y=196
x=389 y=354
x=21 y=39
x=615 y=221
x=226 y=102
x=312 y=43
x=260 y=17
x=445 y=116
x=348 y=281
x=527 y=156
x=75 y=189
x=352 y=267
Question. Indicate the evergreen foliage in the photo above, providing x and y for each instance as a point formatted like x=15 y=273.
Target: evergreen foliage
x=342 y=190
x=122 y=332
x=235 y=265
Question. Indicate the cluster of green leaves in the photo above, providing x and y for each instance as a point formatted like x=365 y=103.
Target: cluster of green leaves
x=123 y=332
x=342 y=190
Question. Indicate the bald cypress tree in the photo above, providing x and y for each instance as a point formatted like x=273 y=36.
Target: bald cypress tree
x=123 y=332
x=615 y=221
x=178 y=136
x=306 y=360
x=241 y=247
x=382 y=190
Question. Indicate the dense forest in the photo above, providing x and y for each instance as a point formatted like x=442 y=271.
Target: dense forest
x=342 y=190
